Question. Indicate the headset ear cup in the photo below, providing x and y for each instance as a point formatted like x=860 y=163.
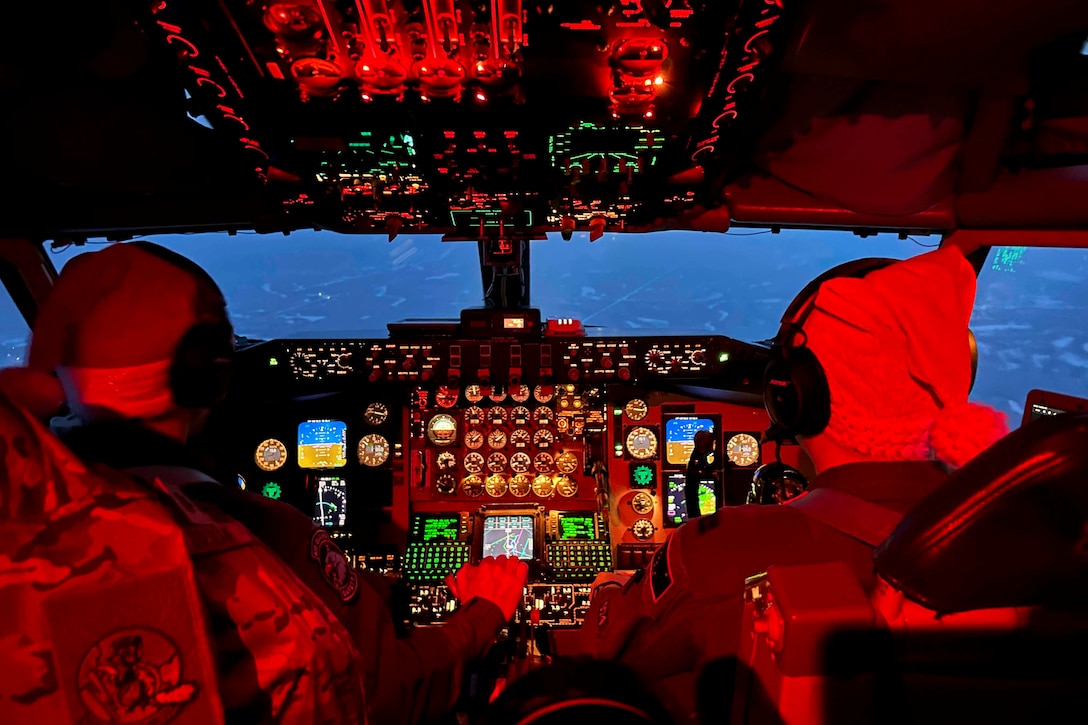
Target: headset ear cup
x=813 y=394
x=795 y=392
x=201 y=371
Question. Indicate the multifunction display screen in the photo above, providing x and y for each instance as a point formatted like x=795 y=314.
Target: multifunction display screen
x=436 y=527
x=508 y=536
x=576 y=526
x=322 y=444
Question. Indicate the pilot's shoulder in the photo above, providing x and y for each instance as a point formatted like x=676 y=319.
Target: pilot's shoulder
x=717 y=542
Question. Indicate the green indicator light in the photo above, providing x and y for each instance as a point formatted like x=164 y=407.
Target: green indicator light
x=271 y=490
x=617 y=411
x=723 y=356
x=619 y=446
x=273 y=362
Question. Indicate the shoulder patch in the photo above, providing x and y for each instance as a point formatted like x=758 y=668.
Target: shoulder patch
x=334 y=565
x=661 y=578
x=134 y=675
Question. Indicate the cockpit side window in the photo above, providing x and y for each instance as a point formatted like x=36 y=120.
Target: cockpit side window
x=1030 y=322
x=14 y=330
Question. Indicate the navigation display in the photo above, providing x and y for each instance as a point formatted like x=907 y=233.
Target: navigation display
x=509 y=536
x=436 y=527
x=331 y=505
x=576 y=526
x=680 y=437
x=676 y=509
x=322 y=444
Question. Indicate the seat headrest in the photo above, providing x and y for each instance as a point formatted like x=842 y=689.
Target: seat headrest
x=1008 y=529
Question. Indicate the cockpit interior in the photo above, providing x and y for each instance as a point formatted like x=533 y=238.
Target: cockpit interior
x=536 y=182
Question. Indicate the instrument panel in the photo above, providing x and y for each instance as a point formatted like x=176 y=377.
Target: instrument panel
x=576 y=472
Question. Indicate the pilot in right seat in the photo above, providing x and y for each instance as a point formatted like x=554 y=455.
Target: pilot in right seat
x=141 y=340
x=892 y=347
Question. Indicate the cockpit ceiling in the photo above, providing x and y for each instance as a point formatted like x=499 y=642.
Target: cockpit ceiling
x=473 y=118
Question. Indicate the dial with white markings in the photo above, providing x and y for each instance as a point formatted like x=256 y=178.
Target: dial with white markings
x=474 y=462
x=270 y=455
x=373 y=450
x=376 y=414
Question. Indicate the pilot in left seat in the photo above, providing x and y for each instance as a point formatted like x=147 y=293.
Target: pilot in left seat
x=140 y=343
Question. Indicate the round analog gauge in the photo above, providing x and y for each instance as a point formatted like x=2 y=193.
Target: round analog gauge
x=566 y=462
x=442 y=429
x=446 y=397
x=497 y=438
x=521 y=484
x=446 y=483
x=446 y=461
x=643 y=529
x=496 y=415
x=474 y=394
x=543 y=416
x=520 y=393
x=496 y=485
x=562 y=424
x=543 y=438
x=641 y=443
x=543 y=486
x=543 y=462
x=474 y=415
x=373 y=450
x=271 y=455
x=520 y=462
x=642 y=503
x=497 y=394
x=496 y=462
x=543 y=393
x=521 y=438
x=474 y=439
x=636 y=409
x=474 y=462
x=742 y=449
x=520 y=415
x=376 y=414
x=566 y=486
x=473 y=485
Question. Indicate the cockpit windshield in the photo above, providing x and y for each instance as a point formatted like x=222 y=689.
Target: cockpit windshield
x=1027 y=319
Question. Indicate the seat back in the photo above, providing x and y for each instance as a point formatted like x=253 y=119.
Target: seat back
x=980 y=601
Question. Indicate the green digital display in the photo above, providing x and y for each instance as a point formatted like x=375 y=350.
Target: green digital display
x=576 y=526
x=438 y=527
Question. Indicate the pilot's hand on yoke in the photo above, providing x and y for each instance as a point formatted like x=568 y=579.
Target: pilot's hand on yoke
x=498 y=579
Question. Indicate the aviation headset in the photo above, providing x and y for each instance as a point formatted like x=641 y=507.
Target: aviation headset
x=776 y=482
x=201 y=369
x=795 y=388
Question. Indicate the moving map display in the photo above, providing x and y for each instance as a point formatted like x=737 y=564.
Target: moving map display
x=331 y=504
x=509 y=536
x=676 y=508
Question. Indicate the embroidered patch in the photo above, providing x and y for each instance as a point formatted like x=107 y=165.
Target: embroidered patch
x=133 y=676
x=334 y=565
x=661 y=571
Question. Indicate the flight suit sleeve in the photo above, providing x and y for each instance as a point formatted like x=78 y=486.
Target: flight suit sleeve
x=417 y=678
x=650 y=623
x=408 y=679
